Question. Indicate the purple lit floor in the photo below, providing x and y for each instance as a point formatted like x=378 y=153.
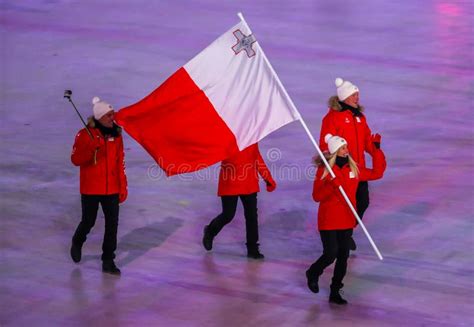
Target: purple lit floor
x=413 y=64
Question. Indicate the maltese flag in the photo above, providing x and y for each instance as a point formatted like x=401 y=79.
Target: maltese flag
x=226 y=98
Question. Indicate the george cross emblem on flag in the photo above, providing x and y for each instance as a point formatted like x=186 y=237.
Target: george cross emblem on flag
x=244 y=42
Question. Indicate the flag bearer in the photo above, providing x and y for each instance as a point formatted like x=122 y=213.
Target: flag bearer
x=335 y=219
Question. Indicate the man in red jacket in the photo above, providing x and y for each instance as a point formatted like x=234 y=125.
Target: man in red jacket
x=239 y=178
x=345 y=119
x=102 y=181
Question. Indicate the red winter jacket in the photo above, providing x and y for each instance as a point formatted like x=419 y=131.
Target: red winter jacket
x=106 y=175
x=334 y=213
x=239 y=173
x=353 y=129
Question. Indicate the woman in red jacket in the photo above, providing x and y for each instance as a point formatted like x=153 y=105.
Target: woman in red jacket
x=335 y=219
x=345 y=118
x=102 y=181
x=239 y=178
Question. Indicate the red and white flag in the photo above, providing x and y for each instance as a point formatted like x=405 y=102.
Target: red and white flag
x=223 y=100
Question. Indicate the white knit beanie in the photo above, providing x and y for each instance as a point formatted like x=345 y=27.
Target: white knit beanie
x=334 y=142
x=100 y=108
x=345 y=89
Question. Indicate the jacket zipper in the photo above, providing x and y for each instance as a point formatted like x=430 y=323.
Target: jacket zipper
x=106 y=169
x=357 y=139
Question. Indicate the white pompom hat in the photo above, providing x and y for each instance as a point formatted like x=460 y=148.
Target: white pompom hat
x=100 y=108
x=334 y=142
x=345 y=89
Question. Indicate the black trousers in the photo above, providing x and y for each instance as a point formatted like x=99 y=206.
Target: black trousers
x=229 y=206
x=335 y=248
x=90 y=206
x=362 y=198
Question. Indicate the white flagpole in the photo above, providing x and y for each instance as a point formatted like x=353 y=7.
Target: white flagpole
x=313 y=141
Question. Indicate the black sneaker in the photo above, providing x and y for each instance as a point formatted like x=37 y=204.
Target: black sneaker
x=312 y=282
x=254 y=253
x=335 y=297
x=110 y=267
x=76 y=253
x=207 y=238
x=352 y=244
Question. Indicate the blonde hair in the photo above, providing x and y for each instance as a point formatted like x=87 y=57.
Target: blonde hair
x=332 y=161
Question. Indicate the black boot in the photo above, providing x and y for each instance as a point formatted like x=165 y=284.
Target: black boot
x=76 y=252
x=253 y=252
x=335 y=297
x=352 y=244
x=207 y=238
x=109 y=267
x=312 y=282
